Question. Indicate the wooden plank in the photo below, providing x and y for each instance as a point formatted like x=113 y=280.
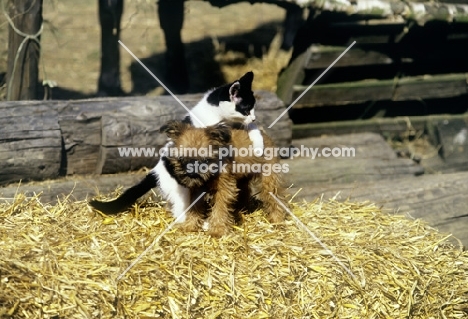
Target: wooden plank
x=384 y=126
x=348 y=170
x=369 y=26
x=410 y=88
x=376 y=125
x=323 y=56
x=365 y=157
x=430 y=87
x=439 y=199
x=366 y=145
x=343 y=93
x=291 y=76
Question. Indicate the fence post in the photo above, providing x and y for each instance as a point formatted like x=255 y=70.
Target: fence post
x=25 y=26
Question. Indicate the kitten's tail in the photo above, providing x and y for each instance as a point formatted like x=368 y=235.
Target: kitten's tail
x=128 y=198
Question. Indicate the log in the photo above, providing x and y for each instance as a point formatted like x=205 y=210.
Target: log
x=30 y=143
x=93 y=131
x=25 y=26
x=421 y=12
x=135 y=122
x=82 y=142
x=119 y=132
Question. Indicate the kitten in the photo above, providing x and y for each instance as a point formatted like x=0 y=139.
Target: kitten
x=234 y=101
x=228 y=190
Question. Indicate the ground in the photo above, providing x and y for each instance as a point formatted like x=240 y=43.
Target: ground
x=221 y=44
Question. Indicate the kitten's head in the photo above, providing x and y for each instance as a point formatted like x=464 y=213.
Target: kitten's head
x=194 y=158
x=236 y=100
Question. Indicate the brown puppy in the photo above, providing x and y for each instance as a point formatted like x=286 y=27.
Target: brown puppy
x=210 y=160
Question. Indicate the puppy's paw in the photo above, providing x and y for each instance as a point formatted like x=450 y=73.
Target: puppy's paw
x=276 y=217
x=218 y=231
x=188 y=227
x=191 y=224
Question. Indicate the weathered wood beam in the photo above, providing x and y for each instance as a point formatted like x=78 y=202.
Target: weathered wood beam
x=291 y=76
x=421 y=12
x=324 y=56
x=384 y=126
x=349 y=170
x=403 y=89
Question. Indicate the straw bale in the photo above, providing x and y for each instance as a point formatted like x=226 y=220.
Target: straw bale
x=63 y=261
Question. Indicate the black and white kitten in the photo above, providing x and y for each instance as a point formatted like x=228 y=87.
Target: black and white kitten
x=231 y=102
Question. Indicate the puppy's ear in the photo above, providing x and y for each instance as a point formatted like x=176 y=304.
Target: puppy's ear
x=173 y=128
x=220 y=133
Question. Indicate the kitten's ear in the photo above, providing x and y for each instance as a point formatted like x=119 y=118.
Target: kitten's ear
x=220 y=133
x=234 y=92
x=173 y=128
x=246 y=80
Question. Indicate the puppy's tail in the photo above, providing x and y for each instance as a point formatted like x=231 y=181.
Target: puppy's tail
x=128 y=198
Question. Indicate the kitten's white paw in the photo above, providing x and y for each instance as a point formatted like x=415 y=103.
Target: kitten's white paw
x=257 y=140
x=258 y=149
